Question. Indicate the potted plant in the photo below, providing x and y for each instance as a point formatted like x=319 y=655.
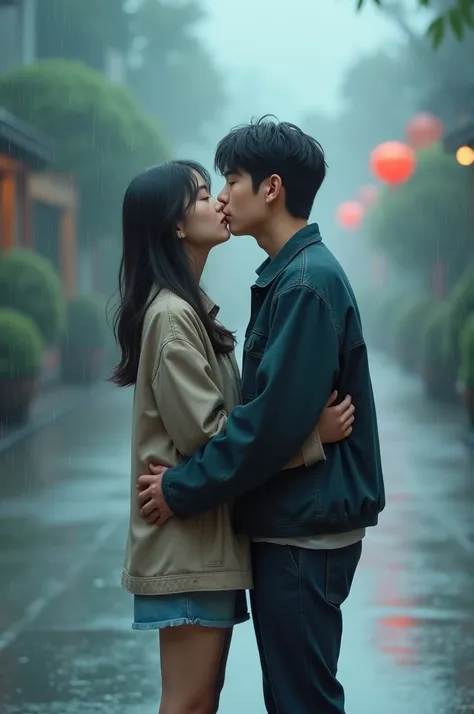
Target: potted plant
x=437 y=365
x=466 y=372
x=21 y=354
x=84 y=348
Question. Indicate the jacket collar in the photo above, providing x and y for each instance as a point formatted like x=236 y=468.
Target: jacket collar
x=271 y=268
x=211 y=306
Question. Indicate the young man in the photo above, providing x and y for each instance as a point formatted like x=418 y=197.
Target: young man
x=303 y=341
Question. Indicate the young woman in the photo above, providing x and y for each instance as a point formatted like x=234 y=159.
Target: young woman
x=188 y=577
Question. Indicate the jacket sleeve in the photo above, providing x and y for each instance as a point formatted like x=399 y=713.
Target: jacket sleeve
x=190 y=404
x=296 y=374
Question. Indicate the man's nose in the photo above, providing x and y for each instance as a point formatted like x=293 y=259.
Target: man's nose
x=223 y=197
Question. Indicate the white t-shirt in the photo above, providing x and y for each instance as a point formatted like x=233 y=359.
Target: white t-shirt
x=319 y=542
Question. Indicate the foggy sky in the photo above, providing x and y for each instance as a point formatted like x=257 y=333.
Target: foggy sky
x=292 y=59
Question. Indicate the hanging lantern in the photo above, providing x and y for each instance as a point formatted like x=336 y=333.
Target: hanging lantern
x=349 y=215
x=368 y=195
x=424 y=130
x=393 y=162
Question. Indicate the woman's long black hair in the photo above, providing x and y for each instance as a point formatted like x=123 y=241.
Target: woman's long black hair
x=154 y=257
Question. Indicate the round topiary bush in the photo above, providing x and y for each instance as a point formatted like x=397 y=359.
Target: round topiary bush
x=407 y=335
x=85 y=339
x=29 y=284
x=21 y=356
x=437 y=364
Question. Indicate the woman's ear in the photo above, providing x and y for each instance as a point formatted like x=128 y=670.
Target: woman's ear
x=180 y=232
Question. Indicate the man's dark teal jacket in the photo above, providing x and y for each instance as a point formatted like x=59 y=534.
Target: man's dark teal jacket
x=303 y=341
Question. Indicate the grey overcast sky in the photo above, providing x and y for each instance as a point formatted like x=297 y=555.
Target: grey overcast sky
x=291 y=55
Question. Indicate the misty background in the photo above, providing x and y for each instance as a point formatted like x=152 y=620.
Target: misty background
x=91 y=93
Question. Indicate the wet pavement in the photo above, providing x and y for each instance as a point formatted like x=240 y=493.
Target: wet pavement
x=65 y=641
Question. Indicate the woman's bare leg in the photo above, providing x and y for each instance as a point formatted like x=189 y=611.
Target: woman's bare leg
x=193 y=661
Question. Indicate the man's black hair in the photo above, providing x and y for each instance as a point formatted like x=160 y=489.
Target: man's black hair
x=265 y=147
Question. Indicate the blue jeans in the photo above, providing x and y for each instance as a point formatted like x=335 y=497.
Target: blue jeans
x=296 y=608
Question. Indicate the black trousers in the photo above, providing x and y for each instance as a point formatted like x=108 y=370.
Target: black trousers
x=296 y=608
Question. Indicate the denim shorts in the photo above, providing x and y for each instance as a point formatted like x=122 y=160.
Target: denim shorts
x=222 y=608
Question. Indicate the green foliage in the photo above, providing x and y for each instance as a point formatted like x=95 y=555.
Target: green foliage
x=101 y=133
x=426 y=219
x=21 y=346
x=86 y=324
x=467 y=353
x=68 y=29
x=29 y=284
x=461 y=305
x=169 y=68
x=187 y=91
x=457 y=17
x=407 y=333
x=437 y=366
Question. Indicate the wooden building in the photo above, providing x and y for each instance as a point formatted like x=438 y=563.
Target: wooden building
x=37 y=207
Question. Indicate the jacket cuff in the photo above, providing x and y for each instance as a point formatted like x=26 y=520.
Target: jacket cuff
x=168 y=494
x=318 y=447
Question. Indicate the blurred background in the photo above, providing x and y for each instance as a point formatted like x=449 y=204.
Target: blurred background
x=93 y=91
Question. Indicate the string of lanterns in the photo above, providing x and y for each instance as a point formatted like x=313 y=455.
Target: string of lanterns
x=393 y=163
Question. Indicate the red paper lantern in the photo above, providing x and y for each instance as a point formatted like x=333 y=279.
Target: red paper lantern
x=424 y=130
x=393 y=162
x=349 y=215
x=368 y=195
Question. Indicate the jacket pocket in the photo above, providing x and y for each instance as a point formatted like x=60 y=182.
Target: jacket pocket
x=341 y=565
x=213 y=537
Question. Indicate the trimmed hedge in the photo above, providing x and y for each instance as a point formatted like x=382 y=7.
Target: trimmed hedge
x=21 y=347
x=29 y=284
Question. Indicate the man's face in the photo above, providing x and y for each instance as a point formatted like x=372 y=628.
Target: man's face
x=245 y=210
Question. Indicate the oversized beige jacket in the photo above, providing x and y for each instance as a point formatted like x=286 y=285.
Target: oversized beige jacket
x=182 y=396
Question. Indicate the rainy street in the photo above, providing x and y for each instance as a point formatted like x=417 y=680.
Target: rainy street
x=149 y=159
x=66 y=646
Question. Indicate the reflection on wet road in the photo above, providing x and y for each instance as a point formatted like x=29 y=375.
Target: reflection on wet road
x=65 y=641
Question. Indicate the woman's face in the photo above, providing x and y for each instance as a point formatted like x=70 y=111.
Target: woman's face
x=204 y=224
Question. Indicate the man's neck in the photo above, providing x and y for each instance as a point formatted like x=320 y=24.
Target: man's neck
x=274 y=236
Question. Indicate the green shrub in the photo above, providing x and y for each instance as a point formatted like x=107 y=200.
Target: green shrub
x=21 y=346
x=461 y=304
x=407 y=335
x=466 y=372
x=427 y=218
x=29 y=284
x=101 y=133
x=86 y=327
x=437 y=365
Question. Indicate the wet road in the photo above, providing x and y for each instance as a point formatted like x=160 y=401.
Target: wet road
x=65 y=641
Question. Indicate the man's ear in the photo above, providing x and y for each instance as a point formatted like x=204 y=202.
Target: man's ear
x=273 y=188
